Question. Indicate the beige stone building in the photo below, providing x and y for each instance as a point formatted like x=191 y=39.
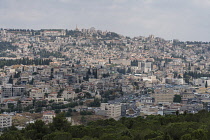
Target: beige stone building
x=112 y=110
x=163 y=96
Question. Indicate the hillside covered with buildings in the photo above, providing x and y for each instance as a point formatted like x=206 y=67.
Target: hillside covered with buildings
x=89 y=75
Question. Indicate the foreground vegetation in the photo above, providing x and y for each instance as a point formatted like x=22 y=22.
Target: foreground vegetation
x=170 y=127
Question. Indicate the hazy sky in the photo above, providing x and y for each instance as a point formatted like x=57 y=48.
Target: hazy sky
x=169 y=19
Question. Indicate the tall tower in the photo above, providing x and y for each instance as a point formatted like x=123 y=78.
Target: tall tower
x=77 y=29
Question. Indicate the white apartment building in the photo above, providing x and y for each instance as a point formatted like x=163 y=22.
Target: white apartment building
x=69 y=94
x=48 y=116
x=145 y=66
x=5 y=120
x=54 y=33
x=112 y=110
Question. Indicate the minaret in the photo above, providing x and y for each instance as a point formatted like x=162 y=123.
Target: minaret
x=76 y=28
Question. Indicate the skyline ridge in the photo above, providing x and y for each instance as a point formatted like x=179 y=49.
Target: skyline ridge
x=184 y=20
x=79 y=29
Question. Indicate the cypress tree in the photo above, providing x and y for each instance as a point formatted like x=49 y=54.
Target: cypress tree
x=206 y=85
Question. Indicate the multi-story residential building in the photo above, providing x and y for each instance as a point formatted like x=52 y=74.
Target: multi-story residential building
x=163 y=96
x=145 y=66
x=112 y=110
x=36 y=93
x=69 y=94
x=5 y=121
x=26 y=102
x=12 y=91
x=48 y=116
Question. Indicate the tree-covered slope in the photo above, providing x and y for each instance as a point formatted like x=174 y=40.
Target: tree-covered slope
x=170 y=127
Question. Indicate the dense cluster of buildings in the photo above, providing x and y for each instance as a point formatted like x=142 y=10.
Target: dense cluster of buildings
x=129 y=76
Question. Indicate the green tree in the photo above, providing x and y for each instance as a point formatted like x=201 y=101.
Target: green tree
x=95 y=103
x=12 y=135
x=200 y=134
x=32 y=81
x=177 y=99
x=38 y=109
x=206 y=84
x=10 y=80
x=83 y=119
x=58 y=135
x=186 y=137
x=36 y=131
x=60 y=123
x=108 y=137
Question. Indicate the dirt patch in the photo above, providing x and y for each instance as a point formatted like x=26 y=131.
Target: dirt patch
x=21 y=119
x=84 y=119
